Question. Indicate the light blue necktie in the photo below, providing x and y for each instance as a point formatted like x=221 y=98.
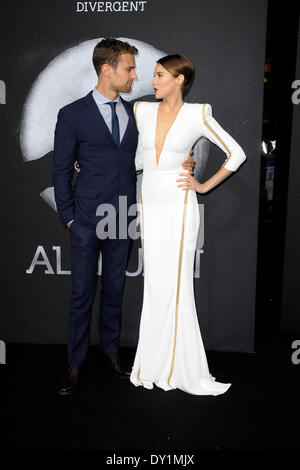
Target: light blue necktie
x=115 y=129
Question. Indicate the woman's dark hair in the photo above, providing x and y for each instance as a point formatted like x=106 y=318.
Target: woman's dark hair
x=109 y=50
x=178 y=64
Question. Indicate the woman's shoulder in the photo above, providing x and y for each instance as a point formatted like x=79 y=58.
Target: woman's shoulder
x=140 y=106
x=199 y=105
x=144 y=104
x=204 y=109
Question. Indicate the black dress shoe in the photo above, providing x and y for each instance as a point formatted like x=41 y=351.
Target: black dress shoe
x=115 y=364
x=71 y=380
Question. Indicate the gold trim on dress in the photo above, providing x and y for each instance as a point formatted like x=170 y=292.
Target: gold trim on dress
x=178 y=286
x=135 y=108
x=142 y=231
x=218 y=137
x=142 y=241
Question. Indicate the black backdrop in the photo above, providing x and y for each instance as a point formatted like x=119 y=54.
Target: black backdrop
x=226 y=42
x=290 y=320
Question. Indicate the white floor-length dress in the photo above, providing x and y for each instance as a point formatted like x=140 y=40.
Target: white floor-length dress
x=170 y=351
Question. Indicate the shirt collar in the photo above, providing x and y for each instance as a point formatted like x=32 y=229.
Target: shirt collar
x=100 y=99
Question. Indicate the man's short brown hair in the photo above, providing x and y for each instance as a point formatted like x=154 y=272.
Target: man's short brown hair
x=109 y=50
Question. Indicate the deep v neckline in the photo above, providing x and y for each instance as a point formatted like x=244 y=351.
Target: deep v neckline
x=155 y=130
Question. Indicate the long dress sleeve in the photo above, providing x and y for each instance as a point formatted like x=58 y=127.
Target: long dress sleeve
x=139 y=153
x=216 y=134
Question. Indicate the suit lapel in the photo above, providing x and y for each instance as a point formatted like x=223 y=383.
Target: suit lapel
x=93 y=112
x=130 y=121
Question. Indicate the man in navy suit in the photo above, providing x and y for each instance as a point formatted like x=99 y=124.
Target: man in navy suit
x=99 y=132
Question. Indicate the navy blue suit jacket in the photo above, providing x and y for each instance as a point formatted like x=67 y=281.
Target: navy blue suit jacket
x=106 y=170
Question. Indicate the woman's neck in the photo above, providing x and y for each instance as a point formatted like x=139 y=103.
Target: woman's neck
x=172 y=103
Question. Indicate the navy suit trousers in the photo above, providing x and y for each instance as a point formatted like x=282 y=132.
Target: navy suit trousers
x=85 y=250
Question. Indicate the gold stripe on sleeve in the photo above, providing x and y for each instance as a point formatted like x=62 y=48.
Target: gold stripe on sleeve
x=214 y=132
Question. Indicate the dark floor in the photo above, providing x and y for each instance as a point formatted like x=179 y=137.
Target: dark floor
x=259 y=412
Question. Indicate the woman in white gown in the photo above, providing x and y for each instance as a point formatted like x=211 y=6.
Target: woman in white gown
x=170 y=351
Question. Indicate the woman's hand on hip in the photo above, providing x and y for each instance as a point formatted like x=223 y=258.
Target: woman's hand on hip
x=189 y=182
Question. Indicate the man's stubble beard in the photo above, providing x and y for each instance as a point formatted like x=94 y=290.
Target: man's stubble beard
x=123 y=89
x=126 y=89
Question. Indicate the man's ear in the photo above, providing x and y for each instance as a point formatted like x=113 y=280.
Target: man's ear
x=106 y=69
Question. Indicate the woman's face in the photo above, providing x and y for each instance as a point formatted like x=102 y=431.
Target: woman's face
x=164 y=83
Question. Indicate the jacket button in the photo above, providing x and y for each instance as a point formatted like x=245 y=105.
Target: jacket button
x=118 y=192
